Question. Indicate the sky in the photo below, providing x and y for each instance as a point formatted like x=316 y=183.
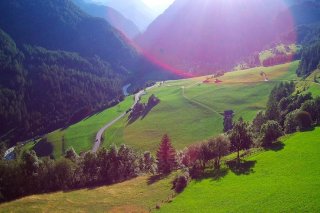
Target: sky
x=158 y=5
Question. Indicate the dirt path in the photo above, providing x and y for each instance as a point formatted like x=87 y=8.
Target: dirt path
x=137 y=97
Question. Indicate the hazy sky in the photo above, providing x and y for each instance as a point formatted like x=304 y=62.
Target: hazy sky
x=158 y=4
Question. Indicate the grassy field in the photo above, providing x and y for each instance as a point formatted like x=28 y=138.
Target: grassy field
x=195 y=115
x=199 y=107
x=286 y=180
x=82 y=135
x=136 y=195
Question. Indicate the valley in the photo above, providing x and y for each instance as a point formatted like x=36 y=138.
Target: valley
x=159 y=106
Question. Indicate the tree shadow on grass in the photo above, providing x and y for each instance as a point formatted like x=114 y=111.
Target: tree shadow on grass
x=148 y=109
x=242 y=167
x=277 y=146
x=155 y=178
x=213 y=174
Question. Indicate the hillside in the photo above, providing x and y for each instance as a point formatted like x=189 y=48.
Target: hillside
x=42 y=90
x=189 y=110
x=70 y=29
x=288 y=178
x=216 y=34
x=54 y=76
x=117 y=20
x=283 y=180
x=188 y=118
x=135 y=10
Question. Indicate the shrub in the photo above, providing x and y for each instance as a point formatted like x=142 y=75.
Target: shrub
x=304 y=120
x=270 y=131
x=180 y=182
x=290 y=124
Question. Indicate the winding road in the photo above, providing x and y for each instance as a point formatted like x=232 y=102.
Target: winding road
x=137 y=97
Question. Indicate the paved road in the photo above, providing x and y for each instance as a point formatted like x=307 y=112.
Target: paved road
x=137 y=97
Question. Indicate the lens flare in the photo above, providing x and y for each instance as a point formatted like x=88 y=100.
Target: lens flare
x=203 y=37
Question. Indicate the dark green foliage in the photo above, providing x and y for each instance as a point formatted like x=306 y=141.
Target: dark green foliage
x=304 y=120
x=313 y=108
x=283 y=90
x=148 y=163
x=59 y=24
x=166 y=156
x=290 y=124
x=270 y=132
x=310 y=59
x=240 y=137
x=258 y=121
x=180 y=182
x=32 y=175
x=40 y=90
x=219 y=147
x=227 y=121
x=71 y=155
x=3 y=149
x=43 y=148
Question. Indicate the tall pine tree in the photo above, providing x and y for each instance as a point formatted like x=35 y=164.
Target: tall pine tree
x=166 y=156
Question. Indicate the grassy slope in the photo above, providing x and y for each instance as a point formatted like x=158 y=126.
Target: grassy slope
x=187 y=122
x=82 y=135
x=286 y=180
x=309 y=85
x=282 y=181
x=284 y=49
x=135 y=195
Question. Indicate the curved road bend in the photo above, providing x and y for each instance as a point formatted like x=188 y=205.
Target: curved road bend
x=137 y=97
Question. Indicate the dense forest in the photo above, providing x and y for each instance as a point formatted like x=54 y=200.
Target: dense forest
x=40 y=90
x=310 y=59
x=62 y=67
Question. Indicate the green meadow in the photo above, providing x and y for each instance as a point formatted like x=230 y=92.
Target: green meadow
x=283 y=180
x=286 y=179
x=81 y=136
x=190 y=110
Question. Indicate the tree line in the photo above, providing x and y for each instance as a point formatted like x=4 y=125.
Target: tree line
x=29 y=174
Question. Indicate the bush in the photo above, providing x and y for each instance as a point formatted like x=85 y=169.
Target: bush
x=270 y=131
x=180 y=182
x=290 y=124
x=304 y=120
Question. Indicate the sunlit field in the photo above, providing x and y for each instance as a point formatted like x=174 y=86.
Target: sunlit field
x=282 y=180
x=196 y=115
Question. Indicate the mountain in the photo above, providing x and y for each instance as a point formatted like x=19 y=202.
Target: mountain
x=58 y=64
x=60 y=25
x=202 y=37
x=41 y=90
x=134 y=10
x=117 y=20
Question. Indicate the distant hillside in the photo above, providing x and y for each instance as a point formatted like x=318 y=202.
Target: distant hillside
x=134 y=10
x=60 y=25
x=206 y=36
x=117 y=20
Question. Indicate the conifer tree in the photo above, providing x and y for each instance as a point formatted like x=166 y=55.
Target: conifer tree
x=166 y=156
